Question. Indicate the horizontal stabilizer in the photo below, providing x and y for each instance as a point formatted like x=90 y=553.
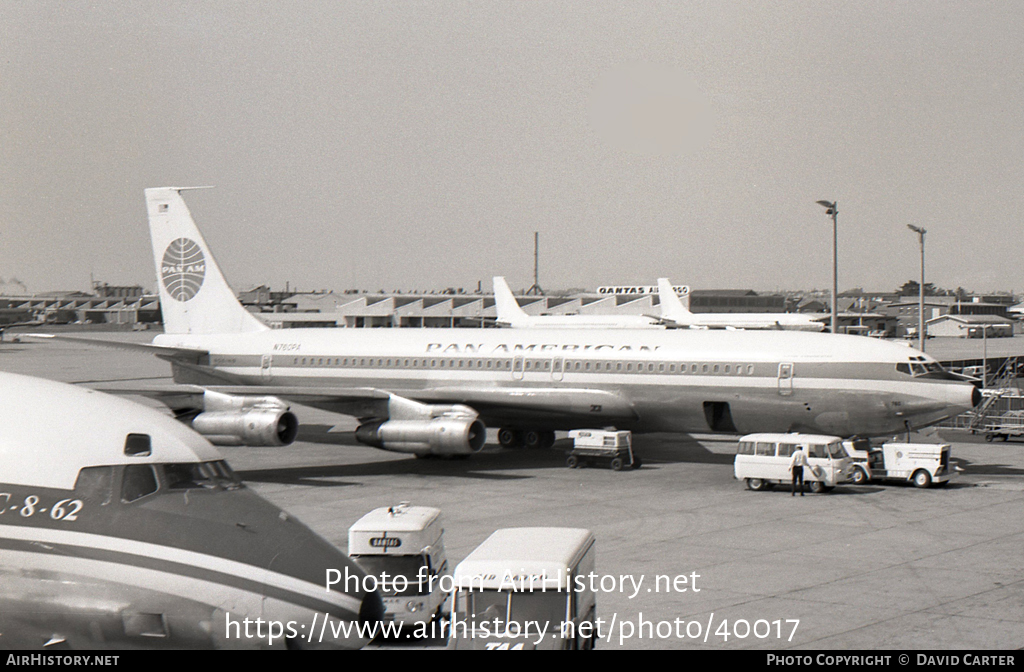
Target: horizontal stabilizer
x=164 y=351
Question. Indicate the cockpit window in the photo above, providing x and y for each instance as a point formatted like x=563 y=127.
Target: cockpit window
x=139 y=480
x=924 y=369
x=137 y=445
x=191 y=475
x=95 y=484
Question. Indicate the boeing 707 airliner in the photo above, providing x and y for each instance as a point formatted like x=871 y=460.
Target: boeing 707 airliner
x=434 y=391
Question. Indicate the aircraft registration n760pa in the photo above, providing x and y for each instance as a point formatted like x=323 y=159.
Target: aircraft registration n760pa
x=432 y=391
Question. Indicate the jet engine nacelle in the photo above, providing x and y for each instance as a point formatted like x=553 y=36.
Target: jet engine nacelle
x=445 y=435
x=256 y=427
x=230 y=420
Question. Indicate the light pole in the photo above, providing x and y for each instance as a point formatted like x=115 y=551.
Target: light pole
x=833 y=209
x=920 y=302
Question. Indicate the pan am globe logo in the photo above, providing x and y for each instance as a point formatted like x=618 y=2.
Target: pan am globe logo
x=183 y=269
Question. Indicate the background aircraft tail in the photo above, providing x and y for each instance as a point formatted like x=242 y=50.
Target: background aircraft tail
x=505 y=303
x=674 y=308
x=194 y=297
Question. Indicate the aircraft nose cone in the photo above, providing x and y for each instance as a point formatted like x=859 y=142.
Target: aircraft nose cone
x=372 y=609
x=975 y=397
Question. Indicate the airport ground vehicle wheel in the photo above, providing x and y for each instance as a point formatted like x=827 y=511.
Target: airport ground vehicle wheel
x=756 y=484
x=509 y=437
x=989 y=437
x=860 y=477
x=922 y=478
x=818 y=487
x=572 y=462
x=616 y=464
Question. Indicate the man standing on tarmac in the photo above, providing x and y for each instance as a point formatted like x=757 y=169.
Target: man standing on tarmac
x=796 y=465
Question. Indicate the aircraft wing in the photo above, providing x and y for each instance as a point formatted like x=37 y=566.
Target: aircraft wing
x=163 y=351
x=495 y=404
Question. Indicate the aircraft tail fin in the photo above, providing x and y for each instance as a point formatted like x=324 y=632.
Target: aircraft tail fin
x=194 y=296
x=673 y=308
x=505 y=304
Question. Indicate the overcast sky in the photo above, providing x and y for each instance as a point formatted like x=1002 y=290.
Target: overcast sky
x=418 y=145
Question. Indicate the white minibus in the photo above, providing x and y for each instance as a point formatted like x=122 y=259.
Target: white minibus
x=762 y=460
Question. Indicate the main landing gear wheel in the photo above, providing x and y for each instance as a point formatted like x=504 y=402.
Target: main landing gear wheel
x=533 y=439
x=510 y=438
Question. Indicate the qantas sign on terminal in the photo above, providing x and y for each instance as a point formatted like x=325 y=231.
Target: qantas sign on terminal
x=681 y=290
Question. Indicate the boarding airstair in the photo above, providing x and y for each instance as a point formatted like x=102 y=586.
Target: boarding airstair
x=996 y=411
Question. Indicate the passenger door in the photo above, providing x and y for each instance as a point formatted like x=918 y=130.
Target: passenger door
x=265 y=364
x=518 y=364
x=780 y=465
x=820 y=463
x=556 y=368
x=785 y=379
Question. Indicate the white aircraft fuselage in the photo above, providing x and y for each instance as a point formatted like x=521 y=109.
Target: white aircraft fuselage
x=649 y=381
x=674 y=312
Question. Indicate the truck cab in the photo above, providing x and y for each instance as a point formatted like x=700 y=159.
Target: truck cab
x=403 y=546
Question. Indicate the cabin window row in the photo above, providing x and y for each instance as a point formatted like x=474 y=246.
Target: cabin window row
x=406 y=363
x=544 y=365
x=768 y=449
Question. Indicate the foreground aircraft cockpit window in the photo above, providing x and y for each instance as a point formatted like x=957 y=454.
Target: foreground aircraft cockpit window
x=209 y=475
x=139 y=480
x=137 y=445
x=95 y=484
